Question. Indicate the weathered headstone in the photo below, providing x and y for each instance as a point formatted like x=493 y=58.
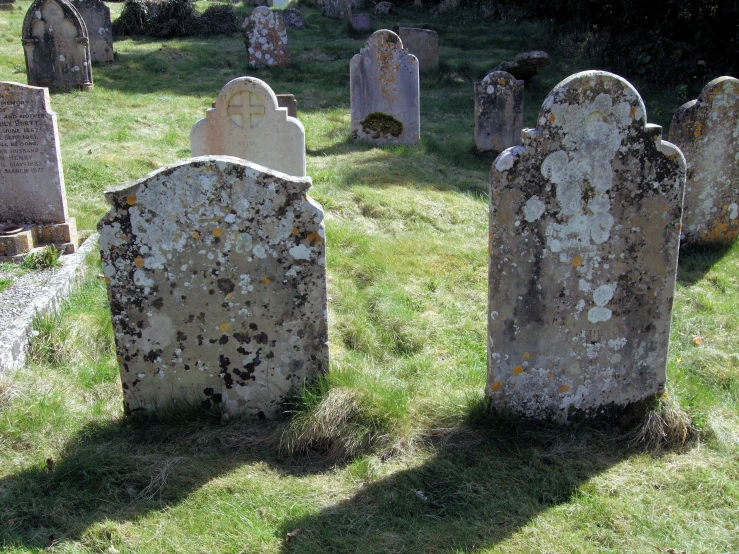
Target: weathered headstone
x=248 y=123
x=526 y=64
x=584 y=232
x=266 y=38
x=385 y=107
x=33 y=203
x=337 y=9
x=707 y=131
x=97 y=20
x=360 y=21
x=498 y=112
x=384 y=8
x=422 y=43
x=289 y=102
x=57 y=46
x=216 y=275
x=293 y=18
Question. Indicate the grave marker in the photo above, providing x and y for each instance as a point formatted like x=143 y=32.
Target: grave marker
x=422 y=43
x=707 y=131
x=97 y=20
x=498 y=112
x=584 y=232
x=247 y=122
x=337 y=9
x=266 y=38
x=216 y=275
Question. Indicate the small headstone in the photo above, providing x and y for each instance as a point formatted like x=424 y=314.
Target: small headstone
x=498 y=112
x=526 y=64
x=584 y=232
x=33 y=203
x=248 y=123
x=384 y=8
x=422 y=43
x=385 y=107
x=337 y=9
x=293 y=18
x=97 y=19
x=289 y=102
x=707 y=131
x=266 y=38
x=57 y=46
x=360 y=21
x=216 y=275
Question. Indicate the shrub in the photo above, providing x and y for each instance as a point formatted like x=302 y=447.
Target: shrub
x=135 y=19
x=219 y=19
x=175 y=18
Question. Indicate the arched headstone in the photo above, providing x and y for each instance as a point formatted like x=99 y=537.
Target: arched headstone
x=97 y=20
x=707 y=131
x=584 y=233
x=57 y=46
x=498 y=112
x=247 y=122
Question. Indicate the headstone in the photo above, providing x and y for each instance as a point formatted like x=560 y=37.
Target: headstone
x=289 y=102
x=384 y=8
x=584 y=232
x=248 y=123
x=360 y=21
x=33 y=203
x=526 y=64
x=97 y=19
x=337 y=9
x=385 y=105
x=498 y=112
x=707 y=131
x=293 y=18
x=422 y=43
x=266 y=38
x=56 y=46
x=216 y=275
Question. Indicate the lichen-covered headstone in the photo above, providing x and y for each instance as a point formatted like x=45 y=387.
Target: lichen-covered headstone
x=266 y=38
x=247 y=122
x=97 y=19
x=385 y=107
x=32 y=194
x=337 y=9
x=422 y=43
x=57 y=46
x=498 y=112
x=216 y=277
x=707 y=131
x=584 y=233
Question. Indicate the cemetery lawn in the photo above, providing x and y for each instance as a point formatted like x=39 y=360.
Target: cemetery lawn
x=402 y=456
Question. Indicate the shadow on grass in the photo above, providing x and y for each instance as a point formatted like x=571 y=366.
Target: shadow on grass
x=697 y=260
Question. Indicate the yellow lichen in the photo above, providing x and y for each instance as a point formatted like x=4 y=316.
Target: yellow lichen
x=138 y=262
x=518 y=370
x=196 y=235
x=563 y=389
x=224 y=327
x=217 y=232
x=495 y=387
x=265 y=281
x=313 y=238
x=131 y=199
x=576 y=261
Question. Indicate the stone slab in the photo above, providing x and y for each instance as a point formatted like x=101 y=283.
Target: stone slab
x=217 y=285
x=584 y=233
x=266 y=38
x=97 y=19
x=707 y=132
x=498 y=112
x=422 y=43
x=289 y=102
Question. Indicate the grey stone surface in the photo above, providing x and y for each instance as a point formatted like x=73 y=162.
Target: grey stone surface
x=217 y=285
x=385 y=106
x=422 y=43
x=384 y=8
x=337 y=9
x=584 y=232
x=707 y=132
x=97 y=19
x=57 y=46
x=293 y=18
x=32 y=294
x=32 y=185
x=248 y=123
x=266 y=38
x=526 y=64
x=498 y=112
x=360 y=21
x=289 y=102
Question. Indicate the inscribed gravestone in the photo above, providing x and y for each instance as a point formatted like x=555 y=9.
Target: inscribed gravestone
x=97 y=20
x=584 y=231
x=498 y=112
x=248 y=123
x=266 y=38
x=216 y=277
x=56 y=46
x=32 y=193
x=422 y=43
x=707 y=131
x=385 y=107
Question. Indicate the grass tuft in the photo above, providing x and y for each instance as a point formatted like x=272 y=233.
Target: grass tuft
x=666 y=426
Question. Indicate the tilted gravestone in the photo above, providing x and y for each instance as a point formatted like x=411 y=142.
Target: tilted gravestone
x=422 y=43
x=33 y=203
x=385 y=107
x=266 y=38
x=247 y=123
x=97 y=20
x=216 y=275
x=707 y=131
x=584 y=233
x=57 y=46
x=498 y=112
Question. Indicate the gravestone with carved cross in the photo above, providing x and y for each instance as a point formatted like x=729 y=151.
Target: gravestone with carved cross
x=246 y=122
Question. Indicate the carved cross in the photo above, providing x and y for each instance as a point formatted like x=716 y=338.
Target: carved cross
x=249 y=106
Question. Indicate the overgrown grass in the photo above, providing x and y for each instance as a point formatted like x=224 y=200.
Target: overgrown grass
x=393 y=450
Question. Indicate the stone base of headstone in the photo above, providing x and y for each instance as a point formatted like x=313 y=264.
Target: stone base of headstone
x=17 y=241
x=287 y=101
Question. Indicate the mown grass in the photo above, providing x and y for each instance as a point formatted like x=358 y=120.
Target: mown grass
x=393 y=451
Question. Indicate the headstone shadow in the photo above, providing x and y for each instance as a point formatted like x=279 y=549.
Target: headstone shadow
x=697 y=260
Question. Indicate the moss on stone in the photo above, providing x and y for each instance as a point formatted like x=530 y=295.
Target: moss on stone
x=381 y=124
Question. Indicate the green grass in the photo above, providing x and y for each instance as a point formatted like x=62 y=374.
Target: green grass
x=393 y=451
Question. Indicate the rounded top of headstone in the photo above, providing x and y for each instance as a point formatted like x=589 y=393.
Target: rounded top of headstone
x=537 y=58
x=384 y=38
x=722 y=92
x=499 y=78
x=246 y=84
x=261 y=10
x=53 y=12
